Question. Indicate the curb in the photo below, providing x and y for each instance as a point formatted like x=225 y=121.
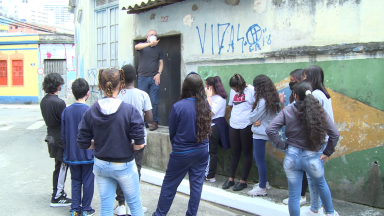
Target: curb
x=252 y=205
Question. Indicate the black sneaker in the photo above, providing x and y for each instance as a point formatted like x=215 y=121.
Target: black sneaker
x=89 y=213
x=61 y=201
x=146 y=125
x=239 y=186
x=228 y=184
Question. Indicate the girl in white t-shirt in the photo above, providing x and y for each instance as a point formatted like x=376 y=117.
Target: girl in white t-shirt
x=216 y=97
x=241 y=100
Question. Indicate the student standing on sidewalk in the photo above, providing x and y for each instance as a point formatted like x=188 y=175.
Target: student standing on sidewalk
x=141 y=101
x=80 y=160
x=113 y=124
x=241 y=100
x=307 y=125
x=294 y=78
x=265 y=109
x=216 y=97
x=189 y=128
x=51 y=108
x=314 y=75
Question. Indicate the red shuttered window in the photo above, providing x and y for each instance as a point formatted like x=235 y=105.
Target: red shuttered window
x=3 y=72
x=17 y=72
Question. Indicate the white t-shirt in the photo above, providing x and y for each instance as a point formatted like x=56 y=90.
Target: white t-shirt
x=139 y=99
x=218 y=107
x=324 y=102
x=242 y=107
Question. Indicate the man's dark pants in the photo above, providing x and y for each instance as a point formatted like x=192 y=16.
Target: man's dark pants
x=148 y=85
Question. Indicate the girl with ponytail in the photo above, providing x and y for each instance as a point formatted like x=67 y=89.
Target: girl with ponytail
x=113 y=125
x=189 y=128
x=216 y=97
x=307 y=125
x=241 y=100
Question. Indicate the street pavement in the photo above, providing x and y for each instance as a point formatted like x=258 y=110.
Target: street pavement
x=26 y=171
x=26 y=176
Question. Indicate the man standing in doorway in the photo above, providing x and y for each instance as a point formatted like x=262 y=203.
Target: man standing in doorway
x=149 y=71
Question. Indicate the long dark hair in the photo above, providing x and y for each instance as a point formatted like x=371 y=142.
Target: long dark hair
x=217 y=86
x=264 y=88
x=237 y=81
x=315 y=76
x=298 y=75
x=109 y=79
x=312 y=115
x=193 y=87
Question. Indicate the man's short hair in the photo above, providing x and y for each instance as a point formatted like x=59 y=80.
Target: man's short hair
x=129 y=73
x=80 y=88
x=52 y=82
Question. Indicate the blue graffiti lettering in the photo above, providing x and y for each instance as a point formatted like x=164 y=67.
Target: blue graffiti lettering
x=218 y=35
x=254 y=37
x=231 y=38
x=198 y=31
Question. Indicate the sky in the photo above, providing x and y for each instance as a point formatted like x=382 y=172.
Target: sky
x=49 y=2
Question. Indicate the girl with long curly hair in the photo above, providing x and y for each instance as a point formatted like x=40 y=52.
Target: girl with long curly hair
x=265 y=109
x=189 y=128
x=241 y=100
x=216 y=97
x=307 y=125
x=113 y=125
x=314 y=75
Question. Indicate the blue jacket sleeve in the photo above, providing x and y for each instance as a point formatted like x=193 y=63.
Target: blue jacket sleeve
x=136 y=127
x=85 y=133
x=173 y=123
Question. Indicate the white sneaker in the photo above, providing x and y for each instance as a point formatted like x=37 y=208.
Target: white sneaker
x=303 y=200
x=334 y=214
x=266 y=185
x=306 y=211
x=257 y=191
x=210 y=180
x=120 y=210
x=145 y=209
x=129 y=210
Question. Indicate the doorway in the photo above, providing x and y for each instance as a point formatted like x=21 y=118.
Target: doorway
x=170 y=85
x=57 y=66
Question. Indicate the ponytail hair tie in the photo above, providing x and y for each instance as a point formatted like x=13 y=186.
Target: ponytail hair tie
x=308 y=92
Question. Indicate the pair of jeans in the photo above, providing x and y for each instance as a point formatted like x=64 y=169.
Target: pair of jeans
x=138 y=159
x=148 y=85
x=297 y=161
x=314 y=192
x=107 y=175
x=259 y=157
x=192 y=162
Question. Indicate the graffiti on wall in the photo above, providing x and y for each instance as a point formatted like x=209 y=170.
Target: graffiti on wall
x=253 y=40
x=94 y=93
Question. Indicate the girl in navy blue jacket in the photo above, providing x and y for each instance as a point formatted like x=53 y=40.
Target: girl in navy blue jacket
x=189 y=127
x=113 y=124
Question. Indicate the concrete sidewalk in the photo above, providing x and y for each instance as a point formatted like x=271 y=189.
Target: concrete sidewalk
x=265 y=206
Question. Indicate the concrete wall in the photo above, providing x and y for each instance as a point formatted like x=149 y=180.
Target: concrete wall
x=274 y=38
x=27 y=48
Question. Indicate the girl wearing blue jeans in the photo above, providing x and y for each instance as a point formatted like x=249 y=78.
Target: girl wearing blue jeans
x=189 y=127
x=307 y=125
x=265 y=109
x=113 y=124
